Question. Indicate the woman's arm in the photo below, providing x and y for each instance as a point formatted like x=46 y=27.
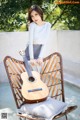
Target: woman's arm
x=41 y=55
x=31 y=37
x=31 y=33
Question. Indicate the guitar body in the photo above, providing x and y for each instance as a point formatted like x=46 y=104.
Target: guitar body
x=33 y=91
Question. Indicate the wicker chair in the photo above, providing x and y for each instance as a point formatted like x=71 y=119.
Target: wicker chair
x=51 y=75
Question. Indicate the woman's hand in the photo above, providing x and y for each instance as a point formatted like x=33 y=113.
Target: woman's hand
x=33 y=62
x=40 y=61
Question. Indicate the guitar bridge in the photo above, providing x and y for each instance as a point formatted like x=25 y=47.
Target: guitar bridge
x=34 y=90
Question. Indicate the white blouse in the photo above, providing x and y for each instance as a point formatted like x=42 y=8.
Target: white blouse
x=38 y=35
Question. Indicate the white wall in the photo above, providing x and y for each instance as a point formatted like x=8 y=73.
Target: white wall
x=69 y=45
x=65 y=42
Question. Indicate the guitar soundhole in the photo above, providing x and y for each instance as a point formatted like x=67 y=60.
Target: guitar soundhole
x=31 y=79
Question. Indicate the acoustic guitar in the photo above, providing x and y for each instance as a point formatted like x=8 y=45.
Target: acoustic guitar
x=33 y=89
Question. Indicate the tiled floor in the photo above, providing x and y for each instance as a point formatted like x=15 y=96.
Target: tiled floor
x=72 y=95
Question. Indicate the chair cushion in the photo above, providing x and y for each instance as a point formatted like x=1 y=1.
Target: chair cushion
x=46 y=109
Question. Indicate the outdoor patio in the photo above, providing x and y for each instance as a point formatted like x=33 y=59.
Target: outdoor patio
x=64 y=39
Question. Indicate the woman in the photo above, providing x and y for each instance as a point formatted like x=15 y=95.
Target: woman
x=38 y=34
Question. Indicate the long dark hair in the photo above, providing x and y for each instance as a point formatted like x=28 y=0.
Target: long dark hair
x=37 y=9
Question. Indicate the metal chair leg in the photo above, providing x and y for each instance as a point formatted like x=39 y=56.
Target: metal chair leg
x=66 y=117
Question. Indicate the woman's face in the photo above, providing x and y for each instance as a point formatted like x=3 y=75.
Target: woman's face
x=35 y=17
